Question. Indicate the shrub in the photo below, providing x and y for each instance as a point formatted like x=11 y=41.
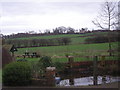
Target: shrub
x=66 y=40
x=97 y=39
x=103 y=38
x=17 y=74
x=114 y=69
x=45 y=61
x=37 y=69
x=59 y=66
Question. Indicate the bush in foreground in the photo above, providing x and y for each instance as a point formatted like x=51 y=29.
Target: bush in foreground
x=45 y=61
x=17 y=74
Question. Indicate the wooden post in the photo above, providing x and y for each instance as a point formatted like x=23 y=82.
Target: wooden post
x=71 y=61
x=95 y=59
x=50 y=76
x=12 y=54
x=13 y=58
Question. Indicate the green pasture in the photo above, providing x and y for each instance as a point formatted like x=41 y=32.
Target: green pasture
x=76 y=59
x=61 y=59
x=65 y=59
x=59 y=36
x=78 y=51
x=51 y=36
x=29 y=59
x=75 y=38
x=78 y=40
x=76 y=48
x=85 y=49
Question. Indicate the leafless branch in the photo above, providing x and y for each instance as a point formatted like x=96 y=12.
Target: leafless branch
x=107 y=16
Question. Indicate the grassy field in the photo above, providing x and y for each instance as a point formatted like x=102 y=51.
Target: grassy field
x=78 y=40
x=76 y=48
x=58 y=52
x=60 y=35
x=87 y=49
x=50 y=36
x=60 y=59
x=64 y=59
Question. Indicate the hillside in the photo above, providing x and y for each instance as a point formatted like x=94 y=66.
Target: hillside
x=76 y=47
x=56 y=40
x=51 y=36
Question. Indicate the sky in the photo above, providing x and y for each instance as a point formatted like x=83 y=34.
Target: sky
x=19 y=16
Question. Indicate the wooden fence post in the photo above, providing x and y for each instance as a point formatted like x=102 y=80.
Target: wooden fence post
x=50 y=76
x=95 y=59
x=71 y=61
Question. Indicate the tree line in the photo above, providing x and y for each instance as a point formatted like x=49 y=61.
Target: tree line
x=39 y=42
x=114 y=37
x=56 y=31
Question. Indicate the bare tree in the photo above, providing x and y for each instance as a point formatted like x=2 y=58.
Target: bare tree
x=118 y=18
x=107 y=19
x=107 y=16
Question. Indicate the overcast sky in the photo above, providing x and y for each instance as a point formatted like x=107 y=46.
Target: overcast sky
x=22 y=16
